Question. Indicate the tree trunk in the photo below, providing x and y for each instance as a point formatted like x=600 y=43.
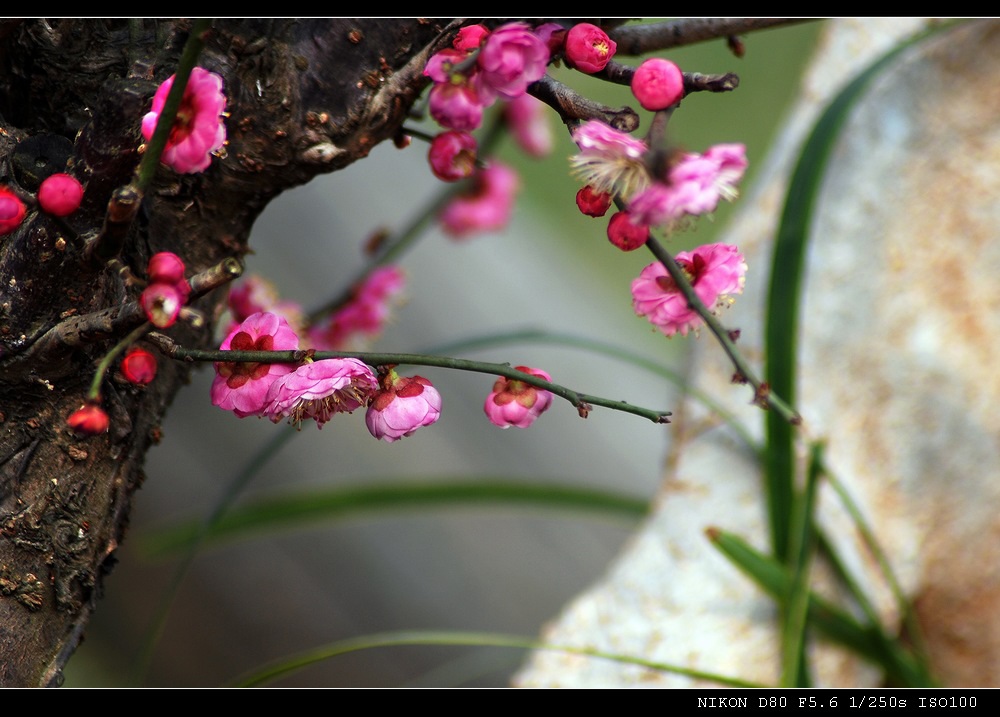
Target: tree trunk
x=304 y=97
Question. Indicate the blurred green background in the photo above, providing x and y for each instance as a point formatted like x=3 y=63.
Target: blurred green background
x=475 y=569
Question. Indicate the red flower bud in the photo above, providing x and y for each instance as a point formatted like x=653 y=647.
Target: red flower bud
x=591 y=203
x=165 y=267
x=658 y=84
x=452 y=155
x=624 y=234
x=139 y=366
x=12 y=211
x=162 y=303
x=89 y=419
x=60 y=195
x=588 y=48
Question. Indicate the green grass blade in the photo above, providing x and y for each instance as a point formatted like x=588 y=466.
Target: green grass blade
x=796 y=606
x=868 y=641
x=781 y=332
x=283 y=667
x=298 y=510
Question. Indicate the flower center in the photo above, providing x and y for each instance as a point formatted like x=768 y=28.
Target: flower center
x=237 y=373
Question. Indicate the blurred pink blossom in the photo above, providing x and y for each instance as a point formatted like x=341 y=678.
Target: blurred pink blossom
x=362 y=318
x=694 y=185
x=489 y=205
x=528 y=120
x=511 y=58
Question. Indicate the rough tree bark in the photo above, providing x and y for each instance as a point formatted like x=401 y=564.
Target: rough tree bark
x=304 y=97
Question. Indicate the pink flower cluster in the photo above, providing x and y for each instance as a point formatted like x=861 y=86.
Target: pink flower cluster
x=319 y=389
x=198 y=129
x=482 y=67
x=316 y=390
x=715 y=271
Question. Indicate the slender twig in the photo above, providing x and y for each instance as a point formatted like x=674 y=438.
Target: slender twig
x=573 y=107
x=581 y=401
x=78 y=331
x=640 y=39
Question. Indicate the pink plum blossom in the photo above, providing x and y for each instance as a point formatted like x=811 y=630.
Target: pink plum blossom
x=609 y=161
x=452 y=155
x=511 y=58
x=715 y=271
x=441 y=67
x=198 y=129
x=404 y=404
x=658 y=84
x=487 y=207
x=516 y=403
x=241 y=387
x=694 y=185
x=364 y=316
x=588 y=48
x=320 y=389
x=528 y=120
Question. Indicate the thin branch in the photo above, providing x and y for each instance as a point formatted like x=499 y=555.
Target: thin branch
x=581 y=401
x=640 y=39
x=78 y=331
x=573 y=107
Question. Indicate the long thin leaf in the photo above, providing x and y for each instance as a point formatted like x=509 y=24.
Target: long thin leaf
x=298 y=510
x=868 y=641
x=271 y=672
x=784 y=298
x=795 y=615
